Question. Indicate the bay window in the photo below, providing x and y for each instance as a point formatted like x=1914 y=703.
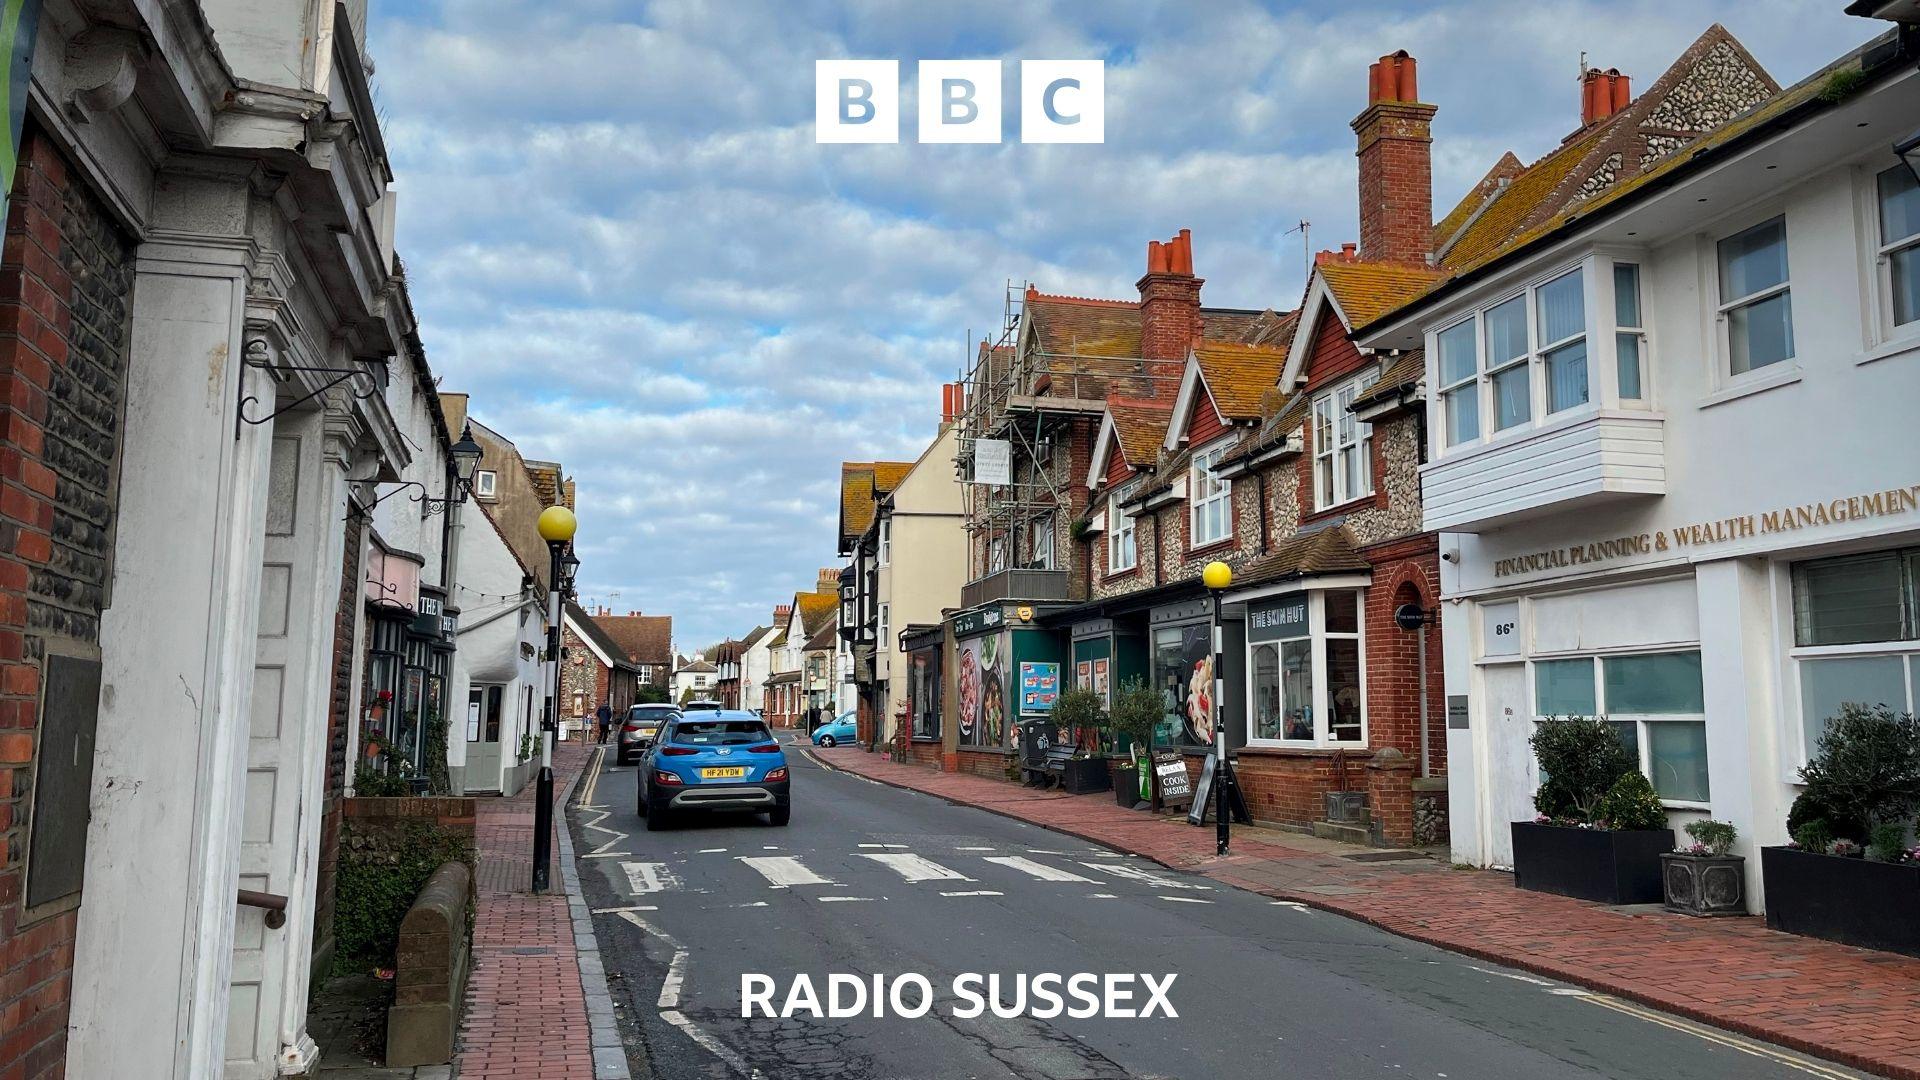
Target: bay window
x=1211 y=507
x=1898 y=195
x=1655 y=703
x=1562 y=330
x=1342 y=445
x=1460 y=383
x=1755 y=297
x=1122 y=554
x=1304 y=669
x=1856 y=635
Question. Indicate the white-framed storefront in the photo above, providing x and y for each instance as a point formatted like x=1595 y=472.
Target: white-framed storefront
x=1304 y=663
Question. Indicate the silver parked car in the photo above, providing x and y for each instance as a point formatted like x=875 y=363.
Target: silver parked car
x=637 y=731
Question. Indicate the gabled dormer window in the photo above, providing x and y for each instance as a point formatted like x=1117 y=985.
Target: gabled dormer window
x=1210 y=498
x=1342 y=445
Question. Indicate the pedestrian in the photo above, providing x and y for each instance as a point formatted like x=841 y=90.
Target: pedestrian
x=605 y=715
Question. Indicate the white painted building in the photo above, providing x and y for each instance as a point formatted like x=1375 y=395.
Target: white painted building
x=1705 y=528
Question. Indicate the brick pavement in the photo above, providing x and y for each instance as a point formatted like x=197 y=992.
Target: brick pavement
x=526 y=1015
x=1849 y=1005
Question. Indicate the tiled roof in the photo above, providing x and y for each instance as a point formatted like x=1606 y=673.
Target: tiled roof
x=782 y=678
x=856 y=498
x=821 y=638
x=1267 y=327
x=1238 y=374
x=816 y=608
x=888 y=474
x=753 y=637
x=1513 y=206
x=1365 y=290
x=1329 y=551
x=1078 y=325
x=1141 y=427
x=597 y=635
x=700 y=667
x=1503 y=173
x=1406 y=370
x=647 y=639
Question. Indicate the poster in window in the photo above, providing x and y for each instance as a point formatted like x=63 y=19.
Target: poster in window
x=1039 y=686
x=982 y=694
x=1183 y=673
x=1100 y=680
x=1083 y=675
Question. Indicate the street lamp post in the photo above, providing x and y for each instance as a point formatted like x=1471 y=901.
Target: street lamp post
x=557 y=525
x=1217 y=576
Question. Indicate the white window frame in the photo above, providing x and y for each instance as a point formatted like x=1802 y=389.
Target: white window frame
x=1623 y=332
x=1322 y=712
x=885 y=625
x=1883 y=260
x=1200 y=499
x=885 y=554
x=1597 y=325
x=1723 y=310
x=1337 y=433
x=1122 y=537
x=1040 y=543
x=1640 y=721
x=485 y=483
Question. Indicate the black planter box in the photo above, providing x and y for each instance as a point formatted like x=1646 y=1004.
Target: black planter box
x=1126 y=784
x=1083 y=775
x=1705 y=884
x=1590 y=864
x=1874 y=905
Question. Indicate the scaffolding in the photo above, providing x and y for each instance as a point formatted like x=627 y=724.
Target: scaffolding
x=1017 y=391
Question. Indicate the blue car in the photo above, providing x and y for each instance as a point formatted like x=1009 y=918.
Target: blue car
x=717 y=760
x=835 y=731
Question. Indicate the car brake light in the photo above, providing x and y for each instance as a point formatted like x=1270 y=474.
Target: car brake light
x=666 y=778
x=630 y=726
x=778 y=774
x=770 y=748
x=677 y=751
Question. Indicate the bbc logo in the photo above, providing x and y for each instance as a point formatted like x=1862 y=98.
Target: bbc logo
x=858 y=101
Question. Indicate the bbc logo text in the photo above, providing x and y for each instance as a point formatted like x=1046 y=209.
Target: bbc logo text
x=1061 y=101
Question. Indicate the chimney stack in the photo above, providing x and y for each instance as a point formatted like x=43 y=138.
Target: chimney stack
x=1169 y=310
x=1603 y=93
x=1395 y=135
x=781 y=612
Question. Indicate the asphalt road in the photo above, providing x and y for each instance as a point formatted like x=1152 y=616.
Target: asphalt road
x=907 y=883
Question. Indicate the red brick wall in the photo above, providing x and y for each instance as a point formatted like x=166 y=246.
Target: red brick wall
x=1404 y=571
x=1286 y=786
x=1396 y=181
x=924 y=753
x=66 y=291
x=991 y=765
x=339 y=760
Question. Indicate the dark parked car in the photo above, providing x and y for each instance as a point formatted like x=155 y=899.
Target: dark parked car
x=637 y=731
x=707 y=762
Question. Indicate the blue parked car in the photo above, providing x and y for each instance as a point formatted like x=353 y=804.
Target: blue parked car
x=723 y=760
x=835 y=731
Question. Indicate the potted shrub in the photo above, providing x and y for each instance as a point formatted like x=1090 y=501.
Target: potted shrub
x=1705 y=878
x=1851 y=873
x=1081 y=713
x=1137 y=710
x=1601 y=829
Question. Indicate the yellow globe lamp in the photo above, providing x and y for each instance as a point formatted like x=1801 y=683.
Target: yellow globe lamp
x=557 y=524
x=1217 y=575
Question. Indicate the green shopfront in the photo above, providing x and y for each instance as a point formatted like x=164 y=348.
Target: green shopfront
x=1005 y=667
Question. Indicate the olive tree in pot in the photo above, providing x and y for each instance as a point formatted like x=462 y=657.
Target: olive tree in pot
x=1705 y=878
x=1852 y=872
x=1601 y=829
x=1081 y=714
x=1137 y=710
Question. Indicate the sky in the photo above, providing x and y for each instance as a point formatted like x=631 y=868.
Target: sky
x=624 y=243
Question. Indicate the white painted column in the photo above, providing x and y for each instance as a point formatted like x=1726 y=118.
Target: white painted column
x=1739 y=653
x=156 y=925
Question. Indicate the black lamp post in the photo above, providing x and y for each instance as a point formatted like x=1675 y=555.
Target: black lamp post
x=1217 y=576
x=557 y=525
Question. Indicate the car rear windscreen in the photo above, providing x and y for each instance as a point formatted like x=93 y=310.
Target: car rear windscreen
x=721 y=732
x=651 y=712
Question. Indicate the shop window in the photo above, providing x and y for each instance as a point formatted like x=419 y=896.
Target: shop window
x=1898 y=196
x=1856 y=628
x=923 y=693
x=1342 y=446
x=1655 y=702
x=1211 y=499
x=1755 y=297
x=1305 y=669
x=1183 y=673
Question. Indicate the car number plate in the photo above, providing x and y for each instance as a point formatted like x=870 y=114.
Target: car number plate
x=722 y=774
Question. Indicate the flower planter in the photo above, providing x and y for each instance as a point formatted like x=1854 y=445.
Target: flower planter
x=1874 y=905
x=1705 y=884
x=1126 y=784
x=1083 y=775
x=1610 y=867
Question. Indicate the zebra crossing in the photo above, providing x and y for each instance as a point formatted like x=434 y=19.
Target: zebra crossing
x=962 y=872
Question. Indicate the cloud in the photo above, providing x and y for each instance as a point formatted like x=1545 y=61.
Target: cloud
x=624 y=243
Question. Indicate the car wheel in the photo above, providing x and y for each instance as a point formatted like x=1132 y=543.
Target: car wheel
x=827 y=740
x=641 y=806
x=780 y=815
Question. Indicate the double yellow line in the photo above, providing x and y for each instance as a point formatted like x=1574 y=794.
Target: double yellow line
x=1720 y=1038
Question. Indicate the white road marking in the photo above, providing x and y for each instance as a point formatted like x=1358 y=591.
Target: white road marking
x=849 y=899
x=756 y=903
x=1294 y=904
x=915 y=868
x=649 y=877
x=712 y=850
x=883 y=845
x=1037 y=869
x=980 y=892
x=973 y=849
x=1186 y=900
x=670 y=1000
x=1134 y=873
x=782 y=870
x=1515 y=976
x=617 y=910
x=1103 y=896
